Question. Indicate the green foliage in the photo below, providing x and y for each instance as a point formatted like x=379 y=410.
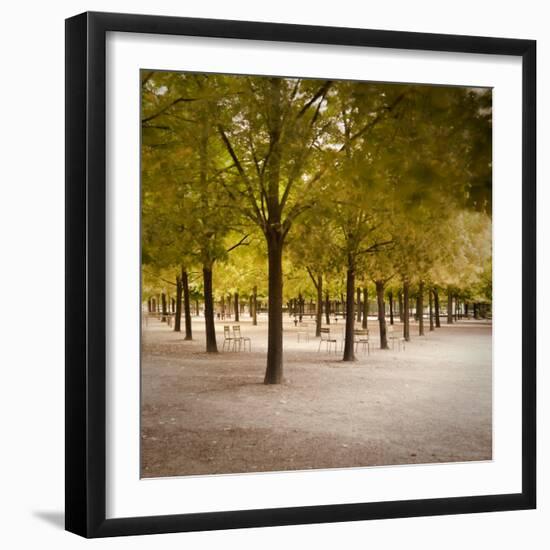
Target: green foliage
x=395 y=177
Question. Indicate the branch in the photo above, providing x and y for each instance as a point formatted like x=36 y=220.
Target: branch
x=160 y=278
x=240 y=243
x=295 y=211
x=320 y=92
x=371 y=124
x=315 y=283
x=250 y=194
x=169 y=106
x=375 y=247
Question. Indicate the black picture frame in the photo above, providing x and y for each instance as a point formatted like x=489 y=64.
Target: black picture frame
x=86 y=275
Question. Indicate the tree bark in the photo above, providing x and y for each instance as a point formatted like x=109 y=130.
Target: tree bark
x=327 y=309
x=210 y=327
x=255 y=306
x=237 y=306
x=449 y=307
x=400 y=300
x=177 y=319
x=406 y=333
x=344 y=308
x=381 y=314
x=149 y=305
x=186 y=305
x=358 y=305
x=430 y=305
x=420 y=307
x=390 y=298
x=365 y=323
x=164 y=311
x=436 y=306
x=350 y=317
x=274 y=369
x=319 y=319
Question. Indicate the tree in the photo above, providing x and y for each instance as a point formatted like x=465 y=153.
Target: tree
x=271 y=131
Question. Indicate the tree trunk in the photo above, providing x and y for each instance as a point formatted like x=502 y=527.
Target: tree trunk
x=274 y=369
x=358 y=305
x=381 y=314
x=300 y=307
x=365 y=323
x=390 y=298
x=229 y=306
x=449 y=307
x=430 y=305
x=187 y=305
x=255 y=306
x=177 y=319
x=344 y=308
x=406 y=333
x=350 y=317
x=237 y=306
x=400 y=300
x=436 y=306
x=197 y=309
x=149 y=305
x=420 y=307
x=164 y=311
x=210 y=327
x=327 y=309
x=456 y=308
x=476 y=311
x=319 y=319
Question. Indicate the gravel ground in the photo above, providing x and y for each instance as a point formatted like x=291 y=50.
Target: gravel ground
x=211 y=413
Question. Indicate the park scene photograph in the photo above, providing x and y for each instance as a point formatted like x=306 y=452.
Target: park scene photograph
x=316 y=274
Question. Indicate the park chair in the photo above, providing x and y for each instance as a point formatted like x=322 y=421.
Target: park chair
x=361 y=338
x=227 y=338
x=242 y=340
x=326 y=337
x=393 y=337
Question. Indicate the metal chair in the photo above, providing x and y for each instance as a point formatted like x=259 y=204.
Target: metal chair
x=227 y=338
x=361 y=338
x=325 y=337
x=241 y=339
x=393 y=337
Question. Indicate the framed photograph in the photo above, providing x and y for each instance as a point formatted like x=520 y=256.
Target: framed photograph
x=300 y=274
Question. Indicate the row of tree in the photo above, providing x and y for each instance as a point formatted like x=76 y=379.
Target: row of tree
x=341 y=184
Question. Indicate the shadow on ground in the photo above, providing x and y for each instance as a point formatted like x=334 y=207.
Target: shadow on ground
x=55 y=518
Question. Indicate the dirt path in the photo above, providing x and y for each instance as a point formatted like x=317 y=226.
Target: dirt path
x=204 y=414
